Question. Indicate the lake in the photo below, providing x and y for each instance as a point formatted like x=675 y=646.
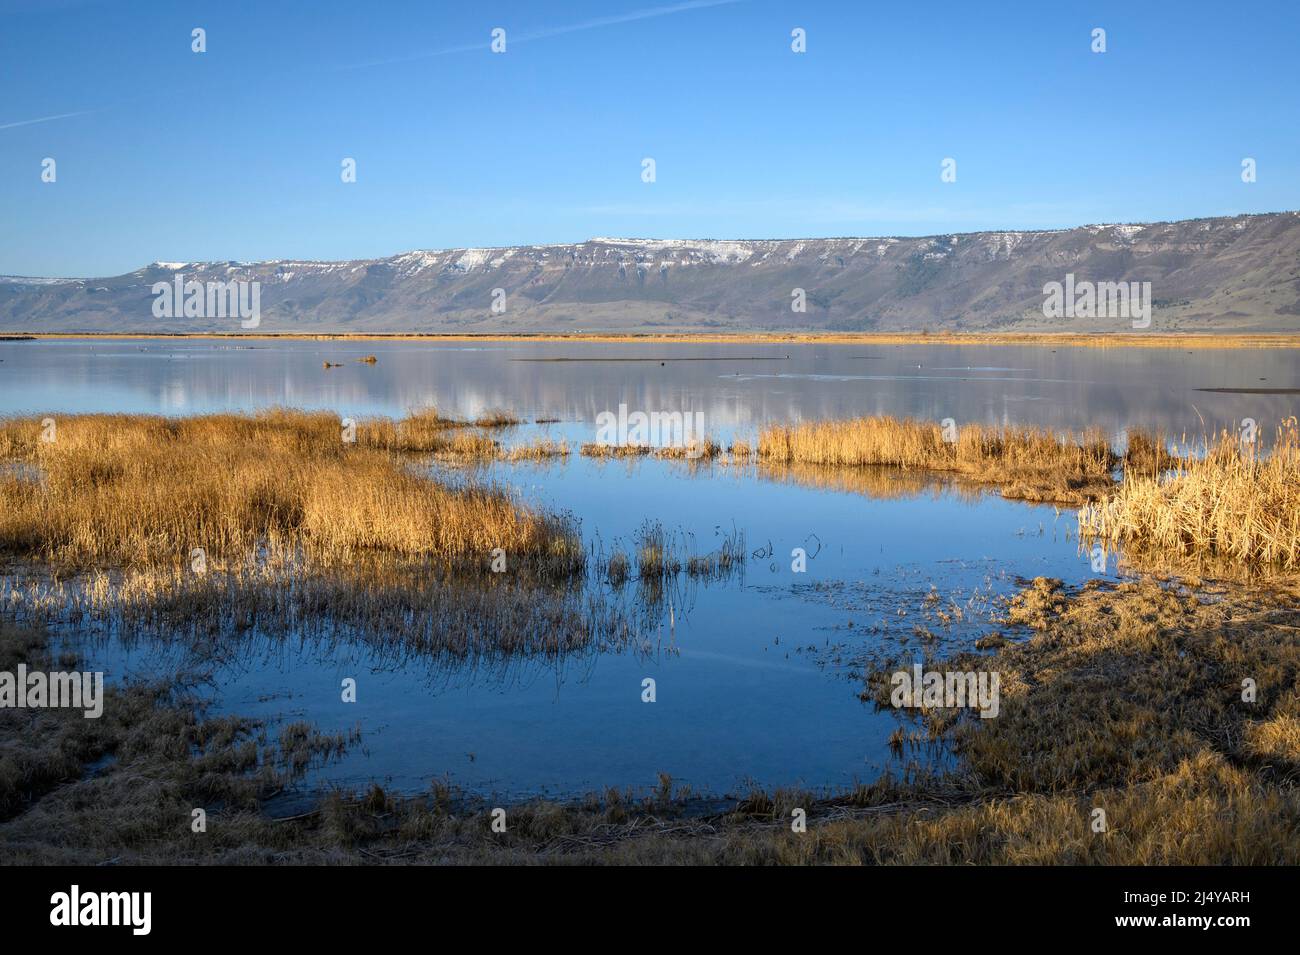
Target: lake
x=757 y=675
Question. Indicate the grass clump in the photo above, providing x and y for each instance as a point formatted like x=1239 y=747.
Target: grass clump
x=598 y=450
x=540 y=450
x=741 y=450
x=146 y=491
x=496 y=419
x=1028 y=463
x=617 y=569
x=1234 y=505
x=656 y=556
x=705 y=449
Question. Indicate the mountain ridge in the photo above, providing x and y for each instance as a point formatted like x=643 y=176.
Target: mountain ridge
x=1231 y=273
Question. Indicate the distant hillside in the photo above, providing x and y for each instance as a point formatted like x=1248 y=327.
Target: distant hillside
x=1239 y=274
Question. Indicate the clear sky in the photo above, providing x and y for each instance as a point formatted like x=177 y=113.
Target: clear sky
x=235 y=153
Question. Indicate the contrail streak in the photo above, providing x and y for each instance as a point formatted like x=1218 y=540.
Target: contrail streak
x=46 y=119
x=593 y=24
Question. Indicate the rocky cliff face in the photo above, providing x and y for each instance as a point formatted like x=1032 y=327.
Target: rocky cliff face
x=1240 y=273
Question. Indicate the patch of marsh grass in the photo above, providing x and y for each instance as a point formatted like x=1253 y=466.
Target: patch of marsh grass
x=1234 y=505
x=145 y=491
x=1027 y=463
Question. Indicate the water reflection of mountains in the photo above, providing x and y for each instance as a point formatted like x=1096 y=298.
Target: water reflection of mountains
x=1068 y=388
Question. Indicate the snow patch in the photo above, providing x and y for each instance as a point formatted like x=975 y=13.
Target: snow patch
x=23 y=280
x=471 y=259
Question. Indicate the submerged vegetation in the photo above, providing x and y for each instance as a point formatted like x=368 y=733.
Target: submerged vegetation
x=663 y=554
x=152 y=750
x=402 y=614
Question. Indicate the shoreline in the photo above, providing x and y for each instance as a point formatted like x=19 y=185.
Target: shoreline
x=1059 y=339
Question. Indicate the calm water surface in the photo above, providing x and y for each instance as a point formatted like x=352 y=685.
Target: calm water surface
x=758 y=676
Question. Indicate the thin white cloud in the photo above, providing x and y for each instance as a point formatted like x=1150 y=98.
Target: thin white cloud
x=47 y=119
x=592 y=24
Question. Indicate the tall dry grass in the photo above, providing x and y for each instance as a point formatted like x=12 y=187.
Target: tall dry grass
x=542 y=449
x=1233 y=504
x=144 y=491
x=424 y=429
x=1029 y=463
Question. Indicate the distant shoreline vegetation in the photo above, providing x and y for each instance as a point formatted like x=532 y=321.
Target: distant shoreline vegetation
x=1060 y=340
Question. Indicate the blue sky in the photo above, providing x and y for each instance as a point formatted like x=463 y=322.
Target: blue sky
x=235 y=153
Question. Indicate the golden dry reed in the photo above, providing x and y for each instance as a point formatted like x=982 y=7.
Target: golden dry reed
x=539 y=450
x=705 y=449
x=1030 y=463
x=1233 y=504
x=145 y=491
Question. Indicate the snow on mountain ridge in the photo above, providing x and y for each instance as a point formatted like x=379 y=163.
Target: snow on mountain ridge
x=678 y=252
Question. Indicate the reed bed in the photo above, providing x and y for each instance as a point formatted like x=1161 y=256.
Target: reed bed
x=496 y=419
x=596 y=450
x=145 y=491
x=424 y=429
x=1029 y=463
x=540 y=450
x=705 y=449
x=470 y=444
x=1234 y=504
